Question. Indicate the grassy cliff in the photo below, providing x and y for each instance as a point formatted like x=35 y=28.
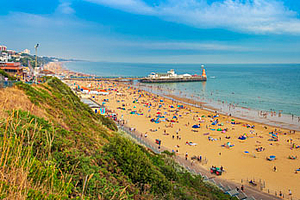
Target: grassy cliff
x=70 y=152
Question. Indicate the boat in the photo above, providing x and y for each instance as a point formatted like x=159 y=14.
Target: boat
x=172 y=77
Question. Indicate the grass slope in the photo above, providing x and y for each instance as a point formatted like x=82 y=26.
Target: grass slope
x=76 y=154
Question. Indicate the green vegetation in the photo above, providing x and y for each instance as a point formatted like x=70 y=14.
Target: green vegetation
x=27 y=60
x=74 y=153
x=159 y=175
x=3 y=73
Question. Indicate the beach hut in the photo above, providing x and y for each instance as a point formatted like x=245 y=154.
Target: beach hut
x=97 y=108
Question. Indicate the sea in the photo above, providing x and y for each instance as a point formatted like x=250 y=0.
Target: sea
x=256 y=87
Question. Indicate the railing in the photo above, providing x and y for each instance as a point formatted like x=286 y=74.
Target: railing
x=4 y=84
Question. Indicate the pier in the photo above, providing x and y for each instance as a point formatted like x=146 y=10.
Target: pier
x=169 y=77
x=117 y=79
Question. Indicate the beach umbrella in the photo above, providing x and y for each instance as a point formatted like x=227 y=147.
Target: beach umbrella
x=196 y=126
x=273 y=156
x=246 y=151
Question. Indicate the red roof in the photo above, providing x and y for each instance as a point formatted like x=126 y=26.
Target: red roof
x=13 y=64
x=84 y=88
x=11 y=67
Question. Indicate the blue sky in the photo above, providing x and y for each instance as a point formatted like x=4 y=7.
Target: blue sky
x=156 y=31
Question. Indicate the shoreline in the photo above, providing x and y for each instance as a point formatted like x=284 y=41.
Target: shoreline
x=295 y=126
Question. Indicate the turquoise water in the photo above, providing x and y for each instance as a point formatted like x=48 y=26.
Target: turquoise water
x=257 y=86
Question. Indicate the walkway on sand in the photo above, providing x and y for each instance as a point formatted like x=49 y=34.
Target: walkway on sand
x=226 y=186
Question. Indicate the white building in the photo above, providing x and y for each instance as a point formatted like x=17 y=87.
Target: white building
x=169 y=74
x=4 y=57
x=27 y=51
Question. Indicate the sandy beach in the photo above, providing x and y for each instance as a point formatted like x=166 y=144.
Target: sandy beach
x=59 y=70
x=239 y=146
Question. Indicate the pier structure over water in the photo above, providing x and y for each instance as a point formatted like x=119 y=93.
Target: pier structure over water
x=117 y=79
x=169 y=77
x=172 y=77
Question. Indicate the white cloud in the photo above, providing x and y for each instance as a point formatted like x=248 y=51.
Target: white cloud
x=134 y=6
x=65 y=8
x=252 y=16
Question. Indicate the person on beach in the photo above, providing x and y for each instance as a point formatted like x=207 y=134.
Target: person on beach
x=186 y=155
x=242 y=188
